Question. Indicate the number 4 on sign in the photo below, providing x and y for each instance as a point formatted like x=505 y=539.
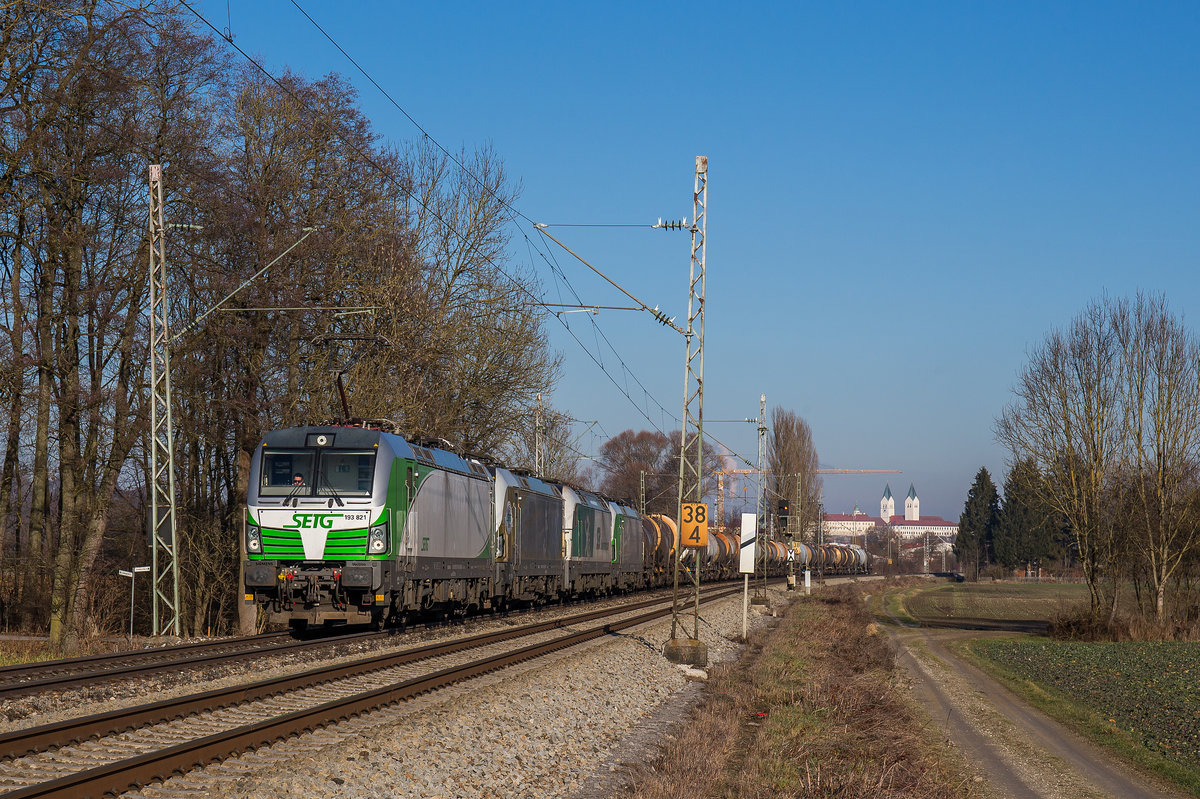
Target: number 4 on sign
x=693 y=524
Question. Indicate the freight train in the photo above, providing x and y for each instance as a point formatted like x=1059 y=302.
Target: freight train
x=356 y=525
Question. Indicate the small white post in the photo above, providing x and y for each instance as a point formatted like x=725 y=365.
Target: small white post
x=132 y=575
x=746 y=564
x=745 y=605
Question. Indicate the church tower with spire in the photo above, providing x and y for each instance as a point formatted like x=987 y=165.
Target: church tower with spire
x=887 y=505
x=912 y=505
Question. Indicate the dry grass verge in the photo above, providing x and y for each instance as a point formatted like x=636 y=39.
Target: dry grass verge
x=17 y=651
x=808 y=711
x=1079 y=623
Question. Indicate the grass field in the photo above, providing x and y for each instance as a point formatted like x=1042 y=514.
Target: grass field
x=1142 y=699
x=999 y=601
x=1139 y=699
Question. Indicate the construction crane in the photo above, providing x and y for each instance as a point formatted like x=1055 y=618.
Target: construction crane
x=722 y=472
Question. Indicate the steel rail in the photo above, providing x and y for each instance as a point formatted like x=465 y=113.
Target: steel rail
x=156 y=662
x=156 y=766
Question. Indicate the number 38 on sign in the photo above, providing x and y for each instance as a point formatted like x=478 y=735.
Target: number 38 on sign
x=693 y=524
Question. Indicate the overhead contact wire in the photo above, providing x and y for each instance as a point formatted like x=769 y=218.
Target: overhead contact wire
x=451 y=228
x=514 y=210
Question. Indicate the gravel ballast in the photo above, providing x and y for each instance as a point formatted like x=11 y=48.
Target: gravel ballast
x=33 y=710
x=562 y=726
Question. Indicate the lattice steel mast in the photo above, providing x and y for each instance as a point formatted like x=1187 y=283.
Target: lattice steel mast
x=163 y=545
x=691 y=444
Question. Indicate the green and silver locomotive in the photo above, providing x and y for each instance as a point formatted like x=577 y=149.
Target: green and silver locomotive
x=354 y=525
x=345 y=524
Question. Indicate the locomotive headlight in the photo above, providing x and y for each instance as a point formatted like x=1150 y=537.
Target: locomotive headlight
x=377 y=540
x=253 y=539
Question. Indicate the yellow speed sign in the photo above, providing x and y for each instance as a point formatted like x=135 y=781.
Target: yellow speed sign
x=693 y=524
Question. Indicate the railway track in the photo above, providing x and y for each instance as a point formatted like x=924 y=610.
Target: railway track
x=51 y=675
x=31 y=678
x=112 y=752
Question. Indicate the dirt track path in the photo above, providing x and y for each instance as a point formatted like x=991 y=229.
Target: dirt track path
x=1015 y=750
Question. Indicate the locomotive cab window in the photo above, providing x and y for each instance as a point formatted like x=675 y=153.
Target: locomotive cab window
x=346 y=473
x=286 y=473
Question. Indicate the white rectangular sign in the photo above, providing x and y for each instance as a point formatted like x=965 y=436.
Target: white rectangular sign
x=749 y=542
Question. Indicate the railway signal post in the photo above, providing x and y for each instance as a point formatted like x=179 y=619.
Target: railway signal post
x=693 y=535
x=762 y=517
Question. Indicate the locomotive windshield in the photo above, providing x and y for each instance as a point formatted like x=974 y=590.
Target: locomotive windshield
x=346 y=473
x=306 y=472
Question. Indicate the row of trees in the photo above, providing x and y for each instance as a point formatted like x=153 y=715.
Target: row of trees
x=404 y=285
x=1018 y=529
x=1105 y=423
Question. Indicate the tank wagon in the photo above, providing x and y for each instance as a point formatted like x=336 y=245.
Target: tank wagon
x=356 y=525
x=833 y=558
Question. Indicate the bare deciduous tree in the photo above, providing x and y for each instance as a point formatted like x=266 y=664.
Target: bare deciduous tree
x=792 y=463
x=1160 y=423
x=92 y=93
x=552 y=435
x=1064 y=416
x=1108 y=412
x=627 y=456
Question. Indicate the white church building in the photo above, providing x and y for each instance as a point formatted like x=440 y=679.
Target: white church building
x=909 y=526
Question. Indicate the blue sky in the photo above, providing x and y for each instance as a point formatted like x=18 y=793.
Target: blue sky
x=903 y=198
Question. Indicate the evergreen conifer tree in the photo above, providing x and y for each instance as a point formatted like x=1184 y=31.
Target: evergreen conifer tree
x=1026 y=529
x=977 y=527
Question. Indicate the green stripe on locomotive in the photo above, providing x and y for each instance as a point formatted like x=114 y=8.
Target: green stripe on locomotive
x=397 y=502
x=287 y=543
x=618 y=531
